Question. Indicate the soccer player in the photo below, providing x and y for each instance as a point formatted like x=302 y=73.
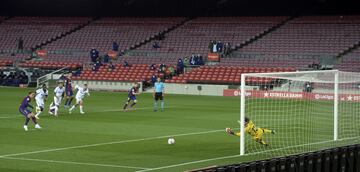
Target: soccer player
x=41 y=95
x=132 y=96
x=158 y=94
x=253 y=131
x=68 y=91
x=82 y=91
x=26 y=112
x=58 y=95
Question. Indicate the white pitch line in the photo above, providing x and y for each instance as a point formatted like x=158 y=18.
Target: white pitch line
x=8 y=117
x=238 y=155
x=76 y=163
x=110 y=143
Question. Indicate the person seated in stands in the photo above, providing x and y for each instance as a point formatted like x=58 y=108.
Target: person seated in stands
x=153 y=79
x=180 y=66
x=200 y=60
x=94 y=54
x=156 y=45
x=98 y=64
x=162 y=68
x=106 y=58
x=94 y=68
x=152 y=67
x=171 y=71
x=111 y=67
x=210 y=46
x=115 y=46
x=126 y=64
x=214 y=47
x=219 y=47
x=23 y=78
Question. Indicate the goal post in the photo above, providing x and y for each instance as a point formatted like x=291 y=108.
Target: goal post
x=307 y=110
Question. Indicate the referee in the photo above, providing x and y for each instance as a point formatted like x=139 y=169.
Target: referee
x=158 y=94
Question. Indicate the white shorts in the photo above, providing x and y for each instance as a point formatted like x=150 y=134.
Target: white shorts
x=57 y=100
x=78 y=99
x=40 y=102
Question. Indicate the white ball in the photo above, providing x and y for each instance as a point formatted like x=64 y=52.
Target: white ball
x=171 y=141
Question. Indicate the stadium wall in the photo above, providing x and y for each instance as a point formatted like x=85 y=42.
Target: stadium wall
x=107 y=86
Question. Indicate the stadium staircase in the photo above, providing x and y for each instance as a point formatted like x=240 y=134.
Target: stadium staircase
x=266 y=32
x=348 y=50
x=79 y=27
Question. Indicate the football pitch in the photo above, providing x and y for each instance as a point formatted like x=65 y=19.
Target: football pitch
x=108 y=139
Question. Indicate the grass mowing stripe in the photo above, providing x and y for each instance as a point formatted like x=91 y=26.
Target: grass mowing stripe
x=110 y=143
x=75 y=163
x=238 y=155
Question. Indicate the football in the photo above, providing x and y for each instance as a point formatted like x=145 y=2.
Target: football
x=171 y=141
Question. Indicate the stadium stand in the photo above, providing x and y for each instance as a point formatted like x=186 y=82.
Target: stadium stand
x=35 y=30
x=309 y=36
x=224 y=74
x=350 y=62
x=194 y=36
x=102 y=33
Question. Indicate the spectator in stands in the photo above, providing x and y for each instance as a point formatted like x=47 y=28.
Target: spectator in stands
x=186 y=61
x=106 y=58
x=152 y=67
x=162 y=68
x=200 y=60
x=111 y=67
x=94 y=54
x=210 y=46
x=219 y=47
x=156 y=45
x=308 y=87
x=180 y=66
x=171 y=71
x=115 y=46
x=23 y=78
x=192 y=60
x=94 y=68
x=20 y=44
x=214 y=47
x=227 y=49
x=153 y=79
x=126 y=64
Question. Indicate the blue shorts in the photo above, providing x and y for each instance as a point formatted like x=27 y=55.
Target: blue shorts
x=69 y=93
x=24 y=112
x=131 y=98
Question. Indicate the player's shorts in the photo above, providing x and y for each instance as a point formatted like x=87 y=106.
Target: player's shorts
x=259 y=133
x=78 y=99
x=69 y=93
x=57 y=100
x=132 y=98
x=40 y=102
x=24 y=112
x=159 y=96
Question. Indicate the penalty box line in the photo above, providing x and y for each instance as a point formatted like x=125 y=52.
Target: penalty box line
x=109 y=143
x=75 y=163
x=238 y=155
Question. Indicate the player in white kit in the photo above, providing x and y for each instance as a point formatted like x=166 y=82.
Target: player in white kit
x=82 y=91
x=58 y=95
x=41 y=95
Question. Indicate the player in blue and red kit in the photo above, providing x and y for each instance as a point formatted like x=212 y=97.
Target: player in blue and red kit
x=132 y=96
x=26 y=112
x=68 y=91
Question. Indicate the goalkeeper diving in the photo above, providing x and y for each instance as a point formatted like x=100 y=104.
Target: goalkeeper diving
x=255 y=132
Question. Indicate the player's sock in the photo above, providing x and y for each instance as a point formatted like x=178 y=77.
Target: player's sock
x=66 y=102
x=263 y=142
x=125 y=106
x=72 y=107
x=70 y=101
x=133 y=104
x=56 y=110
x=155 y=105
x=162 y=105
x=81 y=109
x=27 y=121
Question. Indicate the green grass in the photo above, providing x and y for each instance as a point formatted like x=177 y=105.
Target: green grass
x=107 y=139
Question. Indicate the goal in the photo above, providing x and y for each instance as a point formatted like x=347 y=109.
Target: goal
x=309 y=110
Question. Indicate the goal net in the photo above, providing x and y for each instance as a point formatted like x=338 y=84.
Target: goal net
x=308 y=111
